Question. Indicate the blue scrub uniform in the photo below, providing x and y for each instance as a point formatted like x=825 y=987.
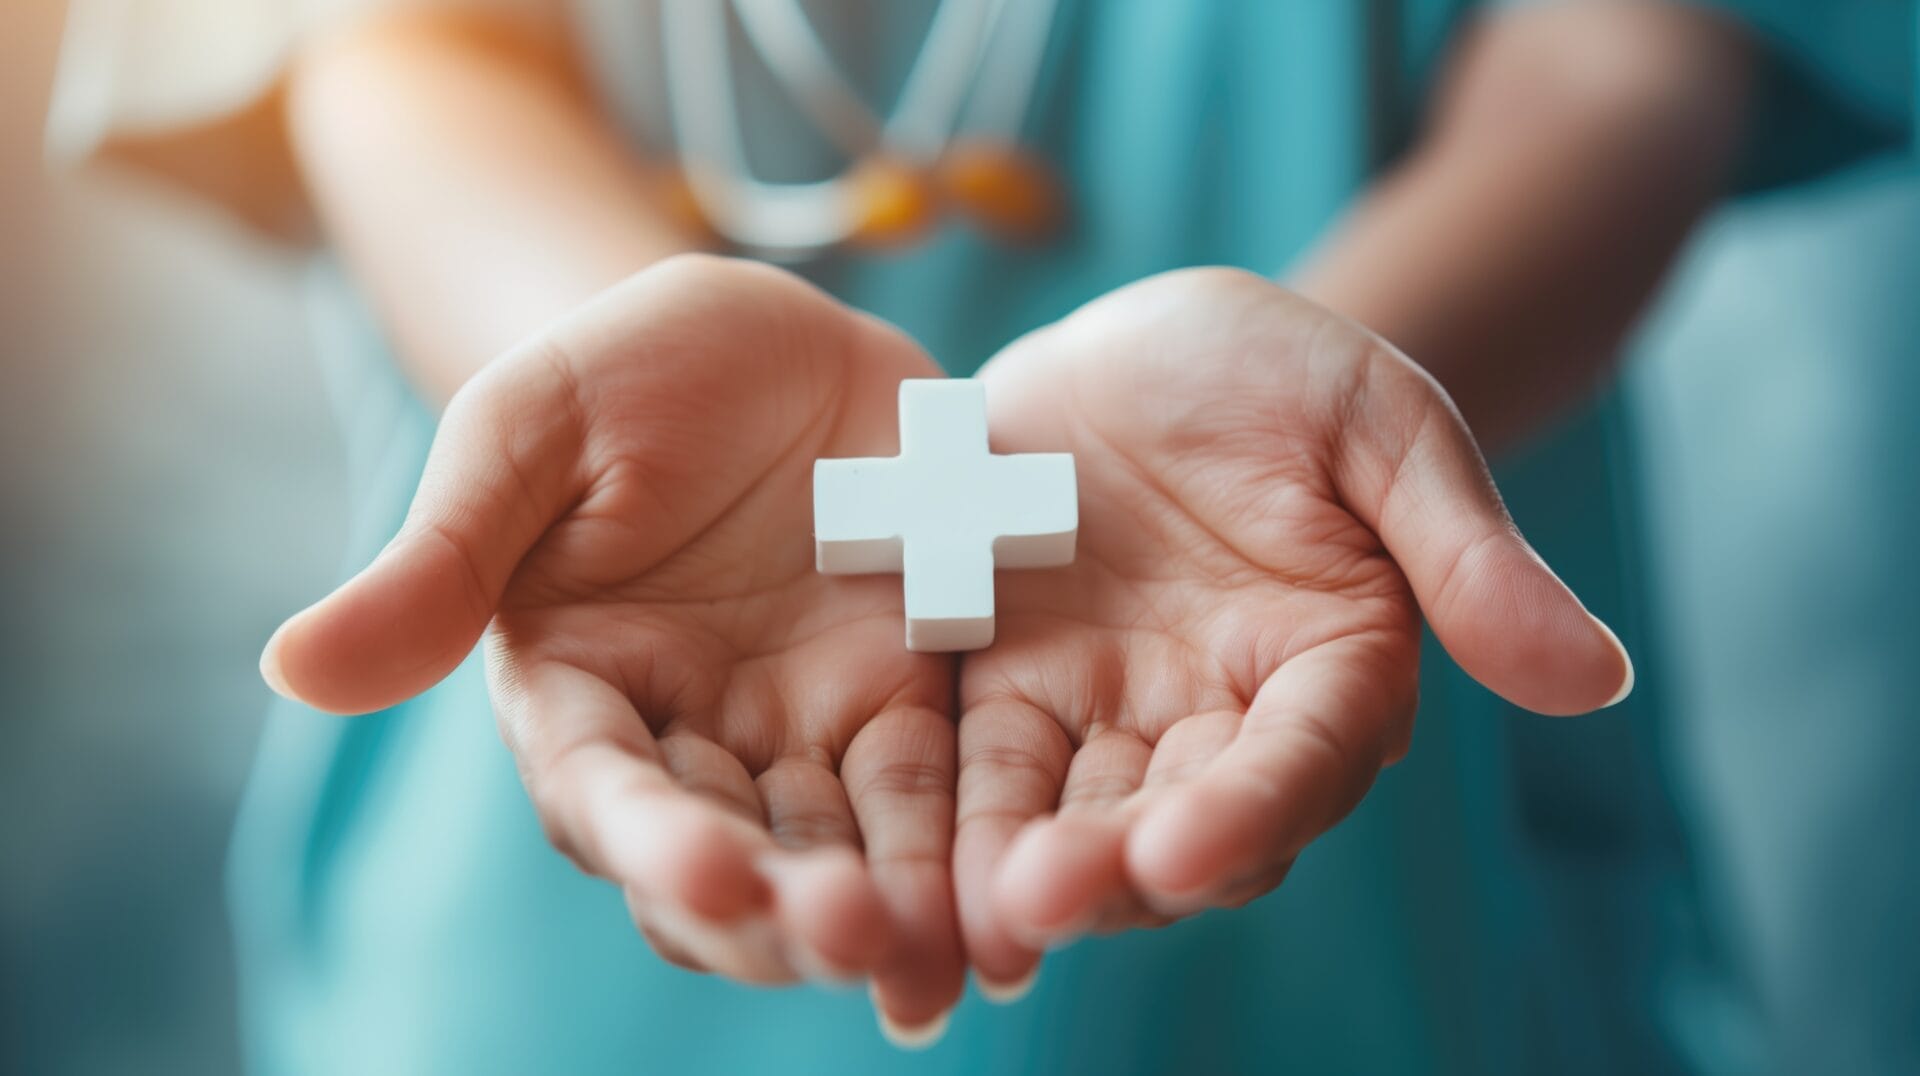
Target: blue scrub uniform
x=1779 y=391
x=1515 y=897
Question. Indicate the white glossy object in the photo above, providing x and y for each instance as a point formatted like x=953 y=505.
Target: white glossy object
x=945 y=512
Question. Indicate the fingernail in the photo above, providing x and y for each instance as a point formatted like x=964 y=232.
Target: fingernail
x=270 y=668
x=1048 y=941
x=1626 y=661
x=911 y=1038
x=1007 y=993
x=818 y=969
x=1175 y=905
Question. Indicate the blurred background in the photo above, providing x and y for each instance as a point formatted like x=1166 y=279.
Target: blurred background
x=169 y=489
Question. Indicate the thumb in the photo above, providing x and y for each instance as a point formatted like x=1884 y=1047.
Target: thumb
x=498 y=475
x=1496 y=607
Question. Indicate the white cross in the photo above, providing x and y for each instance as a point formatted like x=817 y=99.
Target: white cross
x=945 y=512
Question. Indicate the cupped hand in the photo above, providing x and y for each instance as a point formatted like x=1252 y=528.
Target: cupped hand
x=740 y=743
x=1270 y=499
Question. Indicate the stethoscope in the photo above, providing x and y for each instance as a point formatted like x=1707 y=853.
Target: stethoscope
x=950 y=142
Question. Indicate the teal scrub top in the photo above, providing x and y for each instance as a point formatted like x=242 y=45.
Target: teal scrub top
x=1779 y=391
x=1515 y=897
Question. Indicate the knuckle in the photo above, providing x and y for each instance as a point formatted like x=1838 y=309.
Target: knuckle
x=457 y=548
x=906 y=777
x=1003 y=756
x=1101 y=790
x=811 y=828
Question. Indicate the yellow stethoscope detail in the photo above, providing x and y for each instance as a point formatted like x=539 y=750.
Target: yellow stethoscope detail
x=950 y=142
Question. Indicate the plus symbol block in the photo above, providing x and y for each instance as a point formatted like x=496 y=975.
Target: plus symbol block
x=945 y=513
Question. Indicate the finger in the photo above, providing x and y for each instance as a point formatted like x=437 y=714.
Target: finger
x=1182 y=754
x=1190 y=745
x=827 y=921
x=1241 y=892
x=701 y=766
x=806 y=805
x=750 y=950
x=664 y=945
x=601 y=786
x=1066 y=876
x=1059 y=875
x=834 y=923
x=815 y=896
x=899 y=776
x=1417 y=479
x=835 y=917
x=1013 y=762
x=1105 y=771
x=696 y=946
x=498 y=475
x=1315 y=736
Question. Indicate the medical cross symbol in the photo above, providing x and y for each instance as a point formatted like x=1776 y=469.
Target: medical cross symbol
x=945 y=512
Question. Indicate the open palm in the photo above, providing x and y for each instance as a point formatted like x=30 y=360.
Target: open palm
x=1270 y=497
x=743 y=745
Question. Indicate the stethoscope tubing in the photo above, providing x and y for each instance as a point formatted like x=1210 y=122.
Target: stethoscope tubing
x=960 y=78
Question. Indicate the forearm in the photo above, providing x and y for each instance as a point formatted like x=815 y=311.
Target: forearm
x=1575 y=148
x=469 y=184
